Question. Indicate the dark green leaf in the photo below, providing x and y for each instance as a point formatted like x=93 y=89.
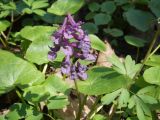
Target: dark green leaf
x=94 y=6
x=132 y=40
x=102 y=19
x=141 y=20
x=90 y=28
x=108 y=7
x=114 y=32
x=154 y=6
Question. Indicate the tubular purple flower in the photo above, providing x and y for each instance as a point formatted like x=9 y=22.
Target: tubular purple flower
x=75 y=43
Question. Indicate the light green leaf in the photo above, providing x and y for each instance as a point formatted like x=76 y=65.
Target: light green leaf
x=154 y=61
x=57 y=102
x=123 y=98
x=99 y=117
x=55 y=84
x=117 y=64
x=131 y=67
x=38 y=50
x=15 y=71
x=102 y=80
x=94 y=6
x=114 y=32
x=27 y=10
x=39 y=12
x=4 y=24
x=134 y=41
x=96 y=43
x=102 y=19
x=141 y=20
x=154 y=6
x=36 y=94
x=39 y=4
x=90 y=28
x=152 y=75
x=108 y=7
x=62 y=7
x=34 y=33
x=20 y=111
x=109 y=98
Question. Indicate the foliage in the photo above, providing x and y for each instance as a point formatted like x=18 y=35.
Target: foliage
x=129 y=88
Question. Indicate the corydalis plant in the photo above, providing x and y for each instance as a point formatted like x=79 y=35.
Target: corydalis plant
x=75 y=44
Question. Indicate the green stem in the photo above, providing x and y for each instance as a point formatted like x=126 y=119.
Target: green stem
x=93 y=108
x=112 y=111
x=78 y=116
x=20 y=96
x=148 y=52
x=155 y=50
x=4 y=44
x=81 y=107
x=48 y=116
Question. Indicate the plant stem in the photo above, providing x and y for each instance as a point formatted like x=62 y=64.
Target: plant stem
x=155 y=50
x=20 y=96
x=93 y=108
x=4 y=44
x=78 y=116
x=81 y=107
x=48 y=116
x=3 y=35
x=148 y=52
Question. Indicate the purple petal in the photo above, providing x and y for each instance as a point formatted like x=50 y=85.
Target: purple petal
x=52 y=55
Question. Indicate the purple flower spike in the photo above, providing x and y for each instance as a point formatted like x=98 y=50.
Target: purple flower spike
x=75 y=43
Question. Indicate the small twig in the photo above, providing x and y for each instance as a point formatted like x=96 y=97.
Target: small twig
x=4 y=44
x=112 y=111
x=3 y=35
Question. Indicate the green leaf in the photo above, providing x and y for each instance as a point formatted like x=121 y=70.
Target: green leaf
x=90 y=28
x=102 y=80
x=90 y=16
x=134 y=41
x=131 y=67
x=154 y=61
x=15 y=71
x=154 y=6
x=114 y=32
x=152 y=75
x=55 y=84
x=102 y=19
x=34 y=33
x=38 y=50
x=117 y=64
x=94 y=6
x=4 y=24
x=123 y=98
x=109 y=98
x=141 y=20
x=62 y=7
x=108 y=7
x=96 y=43
x=27 y=10
x=36 y=94
x=39 y=12
x=143 y=111
x=121 y=2
x=23 y=111
x=99 y=117
x=40 y=4
x=57 y=102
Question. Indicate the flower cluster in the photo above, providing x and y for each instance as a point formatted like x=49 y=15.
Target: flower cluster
x=75 y=43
